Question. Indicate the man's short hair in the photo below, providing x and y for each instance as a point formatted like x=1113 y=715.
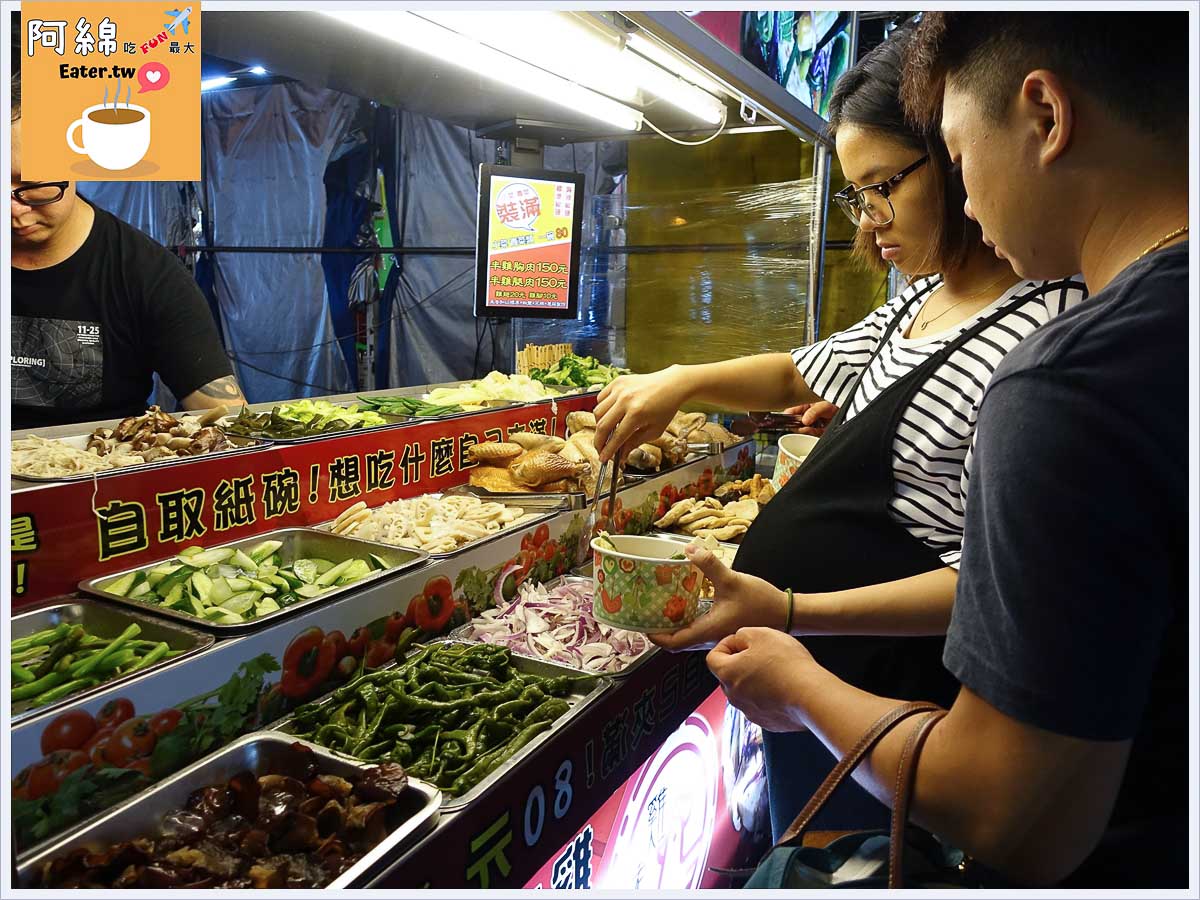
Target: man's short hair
x=1135 y=63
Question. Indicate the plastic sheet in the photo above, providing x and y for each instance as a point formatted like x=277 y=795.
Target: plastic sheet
x=266 y=152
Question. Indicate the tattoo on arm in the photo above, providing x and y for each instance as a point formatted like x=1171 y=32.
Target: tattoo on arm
x=222 y=389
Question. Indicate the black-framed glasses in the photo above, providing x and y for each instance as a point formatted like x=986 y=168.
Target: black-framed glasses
x=874 y=200
x=41 y=194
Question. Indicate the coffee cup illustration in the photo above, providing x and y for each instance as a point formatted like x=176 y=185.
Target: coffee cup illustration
x=114 y=137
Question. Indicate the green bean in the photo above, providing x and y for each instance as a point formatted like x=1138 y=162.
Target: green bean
x=21 y=674
x=62 y=648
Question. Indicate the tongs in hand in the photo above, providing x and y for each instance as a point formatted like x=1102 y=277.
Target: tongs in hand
x=754 y=422
x=593 y=519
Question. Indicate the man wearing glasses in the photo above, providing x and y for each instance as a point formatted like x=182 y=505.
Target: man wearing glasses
x=97 y=309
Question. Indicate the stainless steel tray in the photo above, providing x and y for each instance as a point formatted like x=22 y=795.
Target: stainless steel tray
x=569 y=500
x=414 y=815
x=105 y=621
x=542 y=506
x=462 y=633
x=297 y=544
x=578 y=701
x=506 y=404
x=392 y=422
x=79 y=442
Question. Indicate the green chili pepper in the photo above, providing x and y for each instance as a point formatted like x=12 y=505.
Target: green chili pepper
x=160 y=650
x=41 y=638
x=63 y=690
x=84 y=667
x=549 y=710
x=21 y=674
x=407 y=638
x=34 y=688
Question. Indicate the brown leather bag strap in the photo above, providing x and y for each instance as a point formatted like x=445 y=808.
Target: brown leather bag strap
x=847 y=765
x=906 y=777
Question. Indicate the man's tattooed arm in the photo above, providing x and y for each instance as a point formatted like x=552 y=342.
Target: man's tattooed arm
x=221 y=392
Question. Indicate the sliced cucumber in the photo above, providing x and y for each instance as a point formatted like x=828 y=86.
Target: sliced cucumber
x=122 y=585
x=209 y=557
x=332 y=575
x=238 y=584
x=358 y=568
x=141 y=589
x=323 y=565
x=264 y=587
x=202 y=587
x=229 y=619
x=305 y=571
x=265 y=607
x=238 y=604
x=176 y=597
x=263 y=550
x=379 y=561
x=308 y=591
x=192 y=550
x=221 y=591
x=198 y=608
x=244 y=562
x=178 y=577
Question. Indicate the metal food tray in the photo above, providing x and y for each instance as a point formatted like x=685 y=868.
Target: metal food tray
x=528 y=664
x=111 y=621
x=567 y=501
x=414 y=815
x=392 y=422
x=298 y=543
x=696 y=452
x=79 y=442
x=543 y=506
x=461 y=634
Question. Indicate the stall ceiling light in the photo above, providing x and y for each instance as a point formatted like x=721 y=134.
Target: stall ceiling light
x=655 y=52
x=208 y=84
x=448 y=45
x=563 y=44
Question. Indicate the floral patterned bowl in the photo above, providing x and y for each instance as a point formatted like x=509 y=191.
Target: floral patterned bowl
x=793 y=450
x=638 y=587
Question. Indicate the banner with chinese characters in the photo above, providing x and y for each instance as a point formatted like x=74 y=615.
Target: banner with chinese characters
x=64 y=533
x=110 y=91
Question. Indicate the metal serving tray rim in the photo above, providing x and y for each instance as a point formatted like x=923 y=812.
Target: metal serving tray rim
x=456 y=803
x=459 y=635
x=538 y=516
x=250 y=444
x=202 y=641
x=410 y=828
x=91 y=586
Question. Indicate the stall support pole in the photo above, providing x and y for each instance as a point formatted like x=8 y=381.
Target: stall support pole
x=816 y=239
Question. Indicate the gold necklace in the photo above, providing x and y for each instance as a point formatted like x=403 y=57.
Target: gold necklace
x=974 y=296
x=1162 y=240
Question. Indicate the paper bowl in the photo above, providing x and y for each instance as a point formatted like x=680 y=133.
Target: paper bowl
x=793 y=450
x=640 y=588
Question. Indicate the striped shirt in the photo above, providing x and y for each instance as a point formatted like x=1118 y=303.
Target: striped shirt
x=931 y=452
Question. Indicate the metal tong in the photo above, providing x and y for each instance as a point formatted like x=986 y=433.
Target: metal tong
x=589 y=528
x=754 y=422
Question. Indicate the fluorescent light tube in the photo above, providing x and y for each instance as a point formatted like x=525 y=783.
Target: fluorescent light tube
x=655 y=52
x=208 y=84
x=449 y=46
x=673 y=89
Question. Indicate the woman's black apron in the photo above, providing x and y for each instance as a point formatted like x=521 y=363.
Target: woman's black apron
x=830 y=529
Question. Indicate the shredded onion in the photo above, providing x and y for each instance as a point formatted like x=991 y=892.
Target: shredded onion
x=558 y=626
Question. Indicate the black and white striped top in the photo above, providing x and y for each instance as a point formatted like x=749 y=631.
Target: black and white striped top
x=931 y=454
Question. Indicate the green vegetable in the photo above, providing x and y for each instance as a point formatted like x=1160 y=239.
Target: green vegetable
x=64 y=690
x=585 y=372
x=34 y=688
x=409 y=406
x=84 y=667
x=303 y=418
x=21 y=674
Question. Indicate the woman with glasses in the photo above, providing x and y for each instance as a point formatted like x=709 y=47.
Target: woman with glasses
x=860 y=548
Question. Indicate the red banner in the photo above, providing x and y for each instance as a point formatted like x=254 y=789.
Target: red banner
x=62 y=533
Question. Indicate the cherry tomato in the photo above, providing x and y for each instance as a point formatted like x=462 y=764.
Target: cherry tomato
x=165 y=722
x=337 y=640
x=114 y=712
x=97 y=748
x=360 y=638
x=394 y=626
x=141 y=765
x=541 y=535
x=67 y=761
x=132 y=739
x=70 y=731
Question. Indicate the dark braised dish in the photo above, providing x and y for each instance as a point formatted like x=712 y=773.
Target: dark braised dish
x=292 y=828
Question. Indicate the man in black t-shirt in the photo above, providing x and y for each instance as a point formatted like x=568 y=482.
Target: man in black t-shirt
x=97 y=309
x=1065 y=757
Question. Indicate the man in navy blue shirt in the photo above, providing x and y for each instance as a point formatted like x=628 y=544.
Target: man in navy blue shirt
x=1064 y=759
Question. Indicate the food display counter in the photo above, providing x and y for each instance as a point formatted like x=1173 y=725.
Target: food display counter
x=539 y=769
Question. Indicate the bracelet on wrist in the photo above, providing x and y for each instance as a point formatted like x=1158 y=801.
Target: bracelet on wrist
x=787 y=628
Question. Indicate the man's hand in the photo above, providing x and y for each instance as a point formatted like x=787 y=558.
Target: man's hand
x=762 y=672
x=634 y=409
x=817 y=416
x=740 y=600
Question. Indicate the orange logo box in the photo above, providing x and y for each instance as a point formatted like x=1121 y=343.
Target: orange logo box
x=110 y=91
